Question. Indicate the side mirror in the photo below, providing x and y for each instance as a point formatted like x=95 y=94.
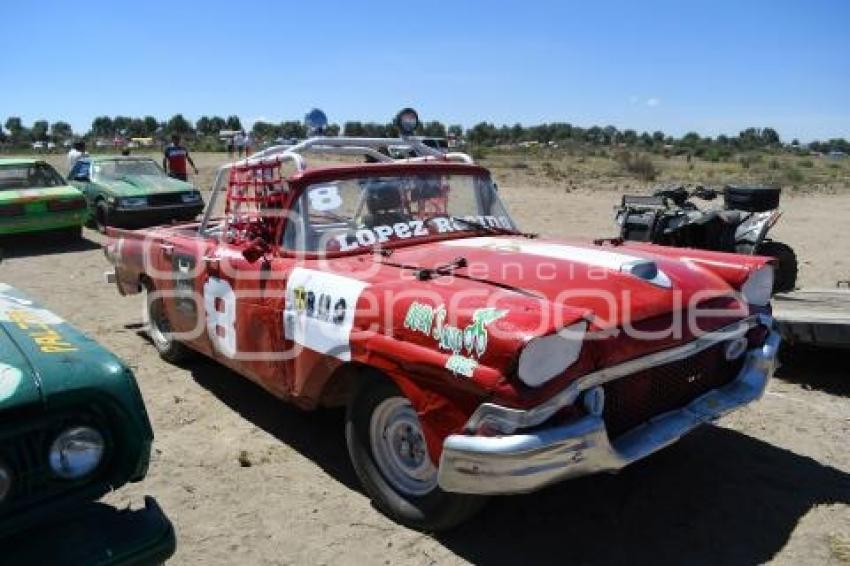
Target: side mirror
x=255 y=250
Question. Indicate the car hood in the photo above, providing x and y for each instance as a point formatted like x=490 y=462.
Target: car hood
x=141 y=185
x=582 y=276
x=43 y=357
x=18 y=385
x=25 y=196
x=484 y=298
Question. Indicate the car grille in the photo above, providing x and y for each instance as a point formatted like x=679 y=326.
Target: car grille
x=165 y=199
x=635 y=399
x=25 y=453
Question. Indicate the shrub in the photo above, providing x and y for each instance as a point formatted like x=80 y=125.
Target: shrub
x=773 y=164
x=807 y=163
x=637 y=164
x=794 y=175
x=478 y=153
x=551 y=171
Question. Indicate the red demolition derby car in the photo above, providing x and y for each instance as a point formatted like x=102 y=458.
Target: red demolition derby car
x=474 y=359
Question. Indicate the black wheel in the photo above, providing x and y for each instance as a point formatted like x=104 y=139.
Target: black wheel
x=159 y=330
x=785 y=272
x=387 y=447
x=101 y=216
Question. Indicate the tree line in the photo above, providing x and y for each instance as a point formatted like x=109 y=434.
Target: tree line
x=484 y=134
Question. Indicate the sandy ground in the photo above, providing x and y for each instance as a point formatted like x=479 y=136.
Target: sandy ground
x=770 y=483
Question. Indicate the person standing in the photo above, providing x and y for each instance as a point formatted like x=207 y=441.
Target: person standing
x=175 y=158
x=249 y=143
x=77 y=151
x=239 y=142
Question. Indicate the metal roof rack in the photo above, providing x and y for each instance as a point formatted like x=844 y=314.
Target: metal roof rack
x=341 y=146
x=351 y=146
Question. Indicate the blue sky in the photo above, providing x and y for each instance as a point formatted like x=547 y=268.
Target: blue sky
x=710 y=66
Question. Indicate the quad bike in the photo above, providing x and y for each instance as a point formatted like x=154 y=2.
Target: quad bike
x=669 y=217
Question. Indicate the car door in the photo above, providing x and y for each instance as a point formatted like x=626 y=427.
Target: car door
x=182 y=272
x=242 y=309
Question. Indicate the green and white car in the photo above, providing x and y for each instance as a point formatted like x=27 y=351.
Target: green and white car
x=133 y=192
x=35 y=198
x=73 y=427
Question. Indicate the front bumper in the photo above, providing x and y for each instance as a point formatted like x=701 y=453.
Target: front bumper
x=149 y=216
x=96 y=534
x=524 y=462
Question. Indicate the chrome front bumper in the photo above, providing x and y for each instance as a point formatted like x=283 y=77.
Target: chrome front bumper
x=524 y=462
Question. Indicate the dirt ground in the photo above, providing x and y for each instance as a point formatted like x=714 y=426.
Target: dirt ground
x=249 y=480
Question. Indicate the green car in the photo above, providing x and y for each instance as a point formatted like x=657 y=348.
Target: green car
x=133 y=192
x=35 y=198
x=73 y=427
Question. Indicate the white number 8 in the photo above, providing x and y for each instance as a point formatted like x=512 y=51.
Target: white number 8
x=220 y=306
x=324 y=198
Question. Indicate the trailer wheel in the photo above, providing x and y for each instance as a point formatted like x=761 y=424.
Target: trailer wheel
x=387 y=448
x=785 y=274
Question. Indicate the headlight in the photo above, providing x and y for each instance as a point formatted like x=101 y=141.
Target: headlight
x=133 y=202
x=76 y=452
x=5 y=481
x=549 y=356
x=190 y=197
x=758 y=287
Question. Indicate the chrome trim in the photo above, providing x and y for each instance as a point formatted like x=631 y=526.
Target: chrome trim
x=508 y=419
x=519 y=463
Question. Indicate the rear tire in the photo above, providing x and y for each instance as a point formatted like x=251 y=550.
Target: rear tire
x=785 y=272
x=388 y=451
x=159 y=330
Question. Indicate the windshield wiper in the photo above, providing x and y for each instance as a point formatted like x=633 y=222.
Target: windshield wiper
x=480 y=227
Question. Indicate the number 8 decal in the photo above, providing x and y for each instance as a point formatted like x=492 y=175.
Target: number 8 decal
x=324 y=198
x=220 y=306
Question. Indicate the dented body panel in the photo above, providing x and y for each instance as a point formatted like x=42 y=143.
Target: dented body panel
x=445 y=315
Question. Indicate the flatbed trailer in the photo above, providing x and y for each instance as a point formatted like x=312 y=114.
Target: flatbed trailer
x=817 y=317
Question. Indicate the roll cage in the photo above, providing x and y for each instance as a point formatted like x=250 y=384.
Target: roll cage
x=268 y=162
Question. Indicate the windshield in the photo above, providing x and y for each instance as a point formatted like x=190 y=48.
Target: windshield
x=364 y=212
x=29 y=176
x=125 y=167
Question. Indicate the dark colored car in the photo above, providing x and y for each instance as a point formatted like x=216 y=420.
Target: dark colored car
x=133 y=192
x=73 y=427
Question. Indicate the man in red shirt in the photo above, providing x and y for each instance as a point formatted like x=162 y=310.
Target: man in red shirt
x=174 y=161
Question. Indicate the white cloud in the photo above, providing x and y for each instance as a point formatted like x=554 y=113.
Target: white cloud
x=653 y=102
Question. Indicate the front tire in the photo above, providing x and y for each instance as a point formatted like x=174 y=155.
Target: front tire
x=388 y=450
x=101 y=216
x=159 y=330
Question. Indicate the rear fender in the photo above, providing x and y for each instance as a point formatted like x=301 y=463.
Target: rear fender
x=124 y=249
